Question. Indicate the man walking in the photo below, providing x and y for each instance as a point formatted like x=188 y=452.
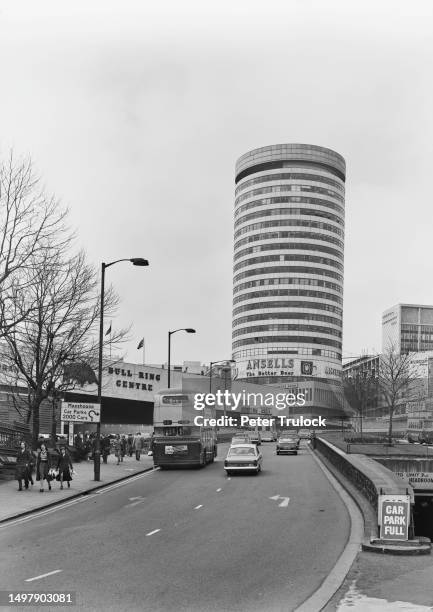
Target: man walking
x=138 y=445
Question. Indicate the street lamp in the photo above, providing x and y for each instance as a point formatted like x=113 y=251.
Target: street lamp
x=188 y=330
x=212 y=363
x=136 y=261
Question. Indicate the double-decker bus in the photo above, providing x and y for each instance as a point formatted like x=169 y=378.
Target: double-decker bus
x=177 y=440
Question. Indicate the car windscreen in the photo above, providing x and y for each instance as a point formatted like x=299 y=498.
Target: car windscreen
x=287 y=440
x=240 y=450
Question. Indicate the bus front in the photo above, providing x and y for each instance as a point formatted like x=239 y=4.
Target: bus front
x=177 y=440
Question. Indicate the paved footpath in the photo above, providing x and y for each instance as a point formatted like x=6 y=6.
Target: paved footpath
x=14 y=502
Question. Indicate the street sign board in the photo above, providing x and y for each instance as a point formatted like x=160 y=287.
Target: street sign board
x=419 y=480
x=80 y=412
x=394 y=517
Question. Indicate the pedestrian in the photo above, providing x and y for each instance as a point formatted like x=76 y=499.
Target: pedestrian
x=105 y=446
x=64 y=465
x=123 y=446
x=138 y=445
x=130 y=444
x=118 y=449
x=23 y=466
x=43 y=465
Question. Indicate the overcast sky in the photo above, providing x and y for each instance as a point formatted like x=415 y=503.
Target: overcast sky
x=134 y=113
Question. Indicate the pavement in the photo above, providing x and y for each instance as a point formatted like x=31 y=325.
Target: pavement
x=15 y=503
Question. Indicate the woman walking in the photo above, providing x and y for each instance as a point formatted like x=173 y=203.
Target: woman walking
x=64 y=465
x=118 y=449
x=43 y=465
x=23 y=466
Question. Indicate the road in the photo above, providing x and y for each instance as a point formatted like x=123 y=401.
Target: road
x=187 y=540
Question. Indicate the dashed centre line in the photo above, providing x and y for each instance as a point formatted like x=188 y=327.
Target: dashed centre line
x=152 y=532
x=43 y=575
x=198 y=507
x=218 y=490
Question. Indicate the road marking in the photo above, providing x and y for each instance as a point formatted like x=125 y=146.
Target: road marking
x=135 y=501
x=152 y=532
x=197 y=507
x=284 y=503
x=218 y=490
x=43 y=575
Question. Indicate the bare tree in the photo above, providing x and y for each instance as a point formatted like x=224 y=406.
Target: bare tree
x=30 y=223
x=398 y=379
x=360 y=390
x=57 y=326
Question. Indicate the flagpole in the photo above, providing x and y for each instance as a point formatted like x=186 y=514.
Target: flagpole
x=111 y=326
x=143 y=350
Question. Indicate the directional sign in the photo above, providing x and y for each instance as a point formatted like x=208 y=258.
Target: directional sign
x=284 y=503
x=80 y=412
x=394 y=517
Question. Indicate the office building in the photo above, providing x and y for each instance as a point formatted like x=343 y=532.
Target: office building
x=407 y=328
x=288 y=270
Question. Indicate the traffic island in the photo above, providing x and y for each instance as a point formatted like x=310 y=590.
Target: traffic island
x=418 y=546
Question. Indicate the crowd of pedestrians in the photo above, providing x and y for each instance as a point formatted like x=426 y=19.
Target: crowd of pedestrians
x=50 y=465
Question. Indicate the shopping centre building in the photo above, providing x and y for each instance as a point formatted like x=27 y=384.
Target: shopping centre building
x=288 y=271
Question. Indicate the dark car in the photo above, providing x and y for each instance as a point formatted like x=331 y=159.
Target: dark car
x=287 y=445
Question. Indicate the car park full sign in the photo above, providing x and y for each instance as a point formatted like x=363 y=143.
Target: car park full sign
x=394 y=517
x=80 y=412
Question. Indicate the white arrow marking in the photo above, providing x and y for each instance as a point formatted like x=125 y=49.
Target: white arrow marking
x=135 y=501
x=284 y=503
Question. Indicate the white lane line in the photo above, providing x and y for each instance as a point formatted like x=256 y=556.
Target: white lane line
x=197 y=507
x=152 y=532
x=43 y=575
x=218 y=490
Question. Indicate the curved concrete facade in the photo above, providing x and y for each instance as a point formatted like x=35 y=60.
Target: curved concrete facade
x=289 y=270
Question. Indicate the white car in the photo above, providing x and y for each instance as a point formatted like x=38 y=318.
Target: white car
x=243 y=458
x=244 y=439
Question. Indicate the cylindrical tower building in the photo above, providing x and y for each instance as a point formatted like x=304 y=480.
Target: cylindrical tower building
x=288 y=271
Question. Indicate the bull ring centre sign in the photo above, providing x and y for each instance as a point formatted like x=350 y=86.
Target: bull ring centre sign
x=394 y=517
x=80 y=412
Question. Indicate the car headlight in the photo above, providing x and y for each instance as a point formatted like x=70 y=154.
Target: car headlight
x=255 y=463
x=226 y=463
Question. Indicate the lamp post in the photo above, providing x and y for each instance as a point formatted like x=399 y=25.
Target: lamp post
x=211 y=364
x=136 y=261
x=188 y=330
